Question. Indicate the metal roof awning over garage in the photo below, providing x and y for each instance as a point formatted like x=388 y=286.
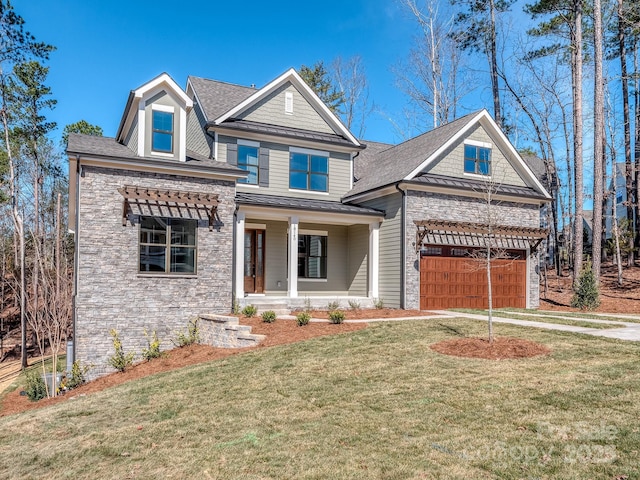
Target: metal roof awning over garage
x=160 y=202
x=470 y=234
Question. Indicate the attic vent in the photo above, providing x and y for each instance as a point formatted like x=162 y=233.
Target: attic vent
x=288 y=102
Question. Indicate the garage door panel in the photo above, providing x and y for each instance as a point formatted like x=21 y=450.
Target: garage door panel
x=454 y=282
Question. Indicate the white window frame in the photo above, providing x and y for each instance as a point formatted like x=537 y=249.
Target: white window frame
x=166 y=109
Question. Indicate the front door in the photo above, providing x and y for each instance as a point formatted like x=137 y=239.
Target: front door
x=254 y=261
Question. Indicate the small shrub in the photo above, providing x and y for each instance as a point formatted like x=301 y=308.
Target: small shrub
x=586 y=295
x=354 y=305
x=119 y=360
x=249 y=311
x=76 y=377
x=269 y=316
x=35 y=389
x=336 y=316
x=191 y=337
x=303 y=318
x=236 y=307
x=307 y=304
x=153 y=347
x=335 y=305
x=378 y=303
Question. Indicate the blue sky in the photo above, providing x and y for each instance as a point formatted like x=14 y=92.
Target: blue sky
x=107 y=48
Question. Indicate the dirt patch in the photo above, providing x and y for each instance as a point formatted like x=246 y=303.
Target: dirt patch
x=502 y=348
x=613 y=298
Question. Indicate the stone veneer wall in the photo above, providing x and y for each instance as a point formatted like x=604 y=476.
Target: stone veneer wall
x=110 y=291
x=427 y=206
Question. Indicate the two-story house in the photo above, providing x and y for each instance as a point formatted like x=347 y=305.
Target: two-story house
x=220 y=194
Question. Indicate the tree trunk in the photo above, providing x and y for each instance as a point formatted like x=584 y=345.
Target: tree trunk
x=598 y=140
x=493 y=62
x=577 y=138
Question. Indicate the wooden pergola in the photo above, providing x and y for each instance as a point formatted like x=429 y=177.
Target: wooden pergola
x=514 y=234
x=171 y=198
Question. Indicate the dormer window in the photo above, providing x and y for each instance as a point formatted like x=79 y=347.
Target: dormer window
x=162 y=129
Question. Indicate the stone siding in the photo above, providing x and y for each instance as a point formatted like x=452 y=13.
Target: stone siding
x=112 y=294
x=427 y=206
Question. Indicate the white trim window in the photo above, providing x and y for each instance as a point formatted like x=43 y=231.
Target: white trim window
x=162 y=129
x=249 y=160
x=308 y=170
x=477 y=159
x=168 y=245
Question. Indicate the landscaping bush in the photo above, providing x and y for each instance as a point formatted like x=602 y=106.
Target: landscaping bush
x=269 y=316
x=153 y=347
x=35 y=388
x=378 y=303
x=249 y=311
x=191 y=337
x=335 y=305
x=354 y=305
x=586 y=296
x=303 y=318
x=76 y=377
x=336 y=316
x=119 y=360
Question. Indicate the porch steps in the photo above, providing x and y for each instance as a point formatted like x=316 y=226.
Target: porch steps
x=226 y=332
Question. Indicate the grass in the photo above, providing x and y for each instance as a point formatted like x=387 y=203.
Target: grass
x=547 y=318
x=373 y=404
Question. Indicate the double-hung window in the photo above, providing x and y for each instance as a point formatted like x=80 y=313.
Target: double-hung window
x=162 y=131
x=312 y=256
x=248 y=160
x=477 y=159
x=309 y=170
x=168 y=245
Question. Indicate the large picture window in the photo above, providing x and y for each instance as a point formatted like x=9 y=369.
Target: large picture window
x=477 y=160
x=248 y=160
x=308 y=172
x=168 y=245
x=312 y=256
x=162 y=135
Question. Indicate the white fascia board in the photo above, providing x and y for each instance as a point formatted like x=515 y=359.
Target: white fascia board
x=306 y=216
x=426 y=162
x=161 y=79
x=292 y=76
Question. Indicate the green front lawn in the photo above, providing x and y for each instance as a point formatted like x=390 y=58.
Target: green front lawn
x=377 y=403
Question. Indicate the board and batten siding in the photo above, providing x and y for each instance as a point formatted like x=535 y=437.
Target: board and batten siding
x=339 y=172
x=358 y=245
x=197 y=139
x=271 y=111
x=337 y=263
x=452 y=162
x=390 y=253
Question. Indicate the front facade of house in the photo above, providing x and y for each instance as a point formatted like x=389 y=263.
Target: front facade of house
x=220 y=194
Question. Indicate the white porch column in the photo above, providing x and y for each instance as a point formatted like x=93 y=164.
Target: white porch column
x=293 y=258
x=239 y=254
x=374 y=259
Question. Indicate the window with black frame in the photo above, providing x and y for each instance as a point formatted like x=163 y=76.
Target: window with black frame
x=168 y=245
x=312 y=256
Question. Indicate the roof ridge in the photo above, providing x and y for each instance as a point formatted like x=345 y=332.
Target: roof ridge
x=221 y=82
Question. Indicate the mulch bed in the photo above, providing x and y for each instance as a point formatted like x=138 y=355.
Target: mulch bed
x=502 y=348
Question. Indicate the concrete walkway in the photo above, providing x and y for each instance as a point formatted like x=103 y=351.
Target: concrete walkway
x=627 y=331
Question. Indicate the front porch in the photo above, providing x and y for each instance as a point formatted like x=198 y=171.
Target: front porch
x=306 y=255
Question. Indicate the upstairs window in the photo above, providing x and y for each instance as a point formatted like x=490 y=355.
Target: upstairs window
x=168 y=245
x=248 y=160
x=308 y=171
x=477 y=160
x=162 y=134
x=619 y=198
x=312 y=256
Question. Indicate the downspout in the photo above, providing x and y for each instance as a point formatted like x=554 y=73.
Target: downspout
x=403 y=247
x=233 y=256
x=76 y=260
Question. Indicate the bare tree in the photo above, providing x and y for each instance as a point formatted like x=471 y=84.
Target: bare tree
x=351 y=80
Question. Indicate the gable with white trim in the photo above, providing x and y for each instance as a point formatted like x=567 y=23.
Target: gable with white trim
x=287 y=107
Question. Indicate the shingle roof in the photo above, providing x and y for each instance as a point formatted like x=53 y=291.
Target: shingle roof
x=303 y=204
x=395 y=163
x=109 y=147
x=249 y=126
x=217 y=97
x=474 y=185
x=366 y=159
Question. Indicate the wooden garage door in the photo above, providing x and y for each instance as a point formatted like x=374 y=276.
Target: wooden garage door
x=458 y=282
